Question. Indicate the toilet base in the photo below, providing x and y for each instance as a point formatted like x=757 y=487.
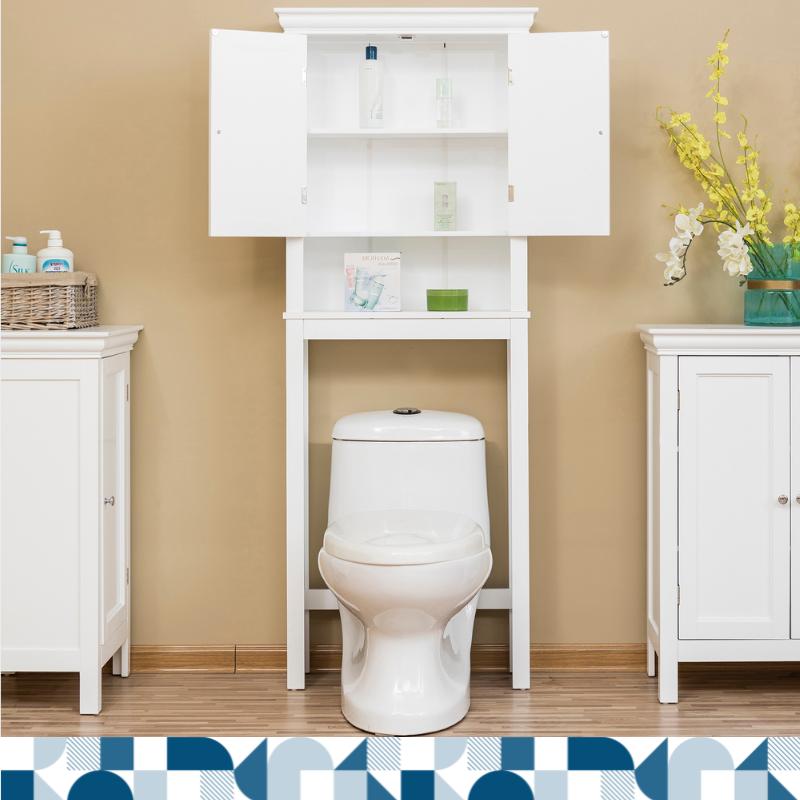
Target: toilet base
x=405 y=685
x=367 y=720
x=406 y=637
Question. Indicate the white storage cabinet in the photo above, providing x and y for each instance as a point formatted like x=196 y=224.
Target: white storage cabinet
x=66 y=503
x=528 y=150
x=723 y=496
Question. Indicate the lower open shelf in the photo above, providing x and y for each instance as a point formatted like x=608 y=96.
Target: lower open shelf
x=408 y=325
x=388 y=315
x=324 y=600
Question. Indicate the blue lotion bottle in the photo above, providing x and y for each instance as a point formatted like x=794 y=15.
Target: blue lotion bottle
x=18 y=260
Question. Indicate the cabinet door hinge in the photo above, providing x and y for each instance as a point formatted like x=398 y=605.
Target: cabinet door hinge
x=304 y=75
x=679 y=594
x=510 y=77
x=127 y=392
x=679 y=399
x=510 y=192
x=127 y=575
x=304 y=195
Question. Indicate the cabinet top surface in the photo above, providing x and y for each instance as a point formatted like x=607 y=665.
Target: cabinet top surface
x=480 y=19
x=98 y=331
x=411 y=10
x=726 y=329
x=86 y=342
x=677 y=339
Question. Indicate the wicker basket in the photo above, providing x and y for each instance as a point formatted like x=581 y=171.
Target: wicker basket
x=48 y=300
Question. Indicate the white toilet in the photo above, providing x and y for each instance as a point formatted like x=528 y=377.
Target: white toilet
x=406 y=553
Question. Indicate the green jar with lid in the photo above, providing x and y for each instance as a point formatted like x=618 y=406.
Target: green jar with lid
x=448 y=299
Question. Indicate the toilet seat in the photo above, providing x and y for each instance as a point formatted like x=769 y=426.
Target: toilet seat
x=397 y=537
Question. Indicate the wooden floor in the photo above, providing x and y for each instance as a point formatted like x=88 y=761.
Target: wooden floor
x=720 y=700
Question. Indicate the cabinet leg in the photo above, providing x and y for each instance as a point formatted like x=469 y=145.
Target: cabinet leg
x=121 y=660
x=667 y=680
x=307 y=640
x=651 y=660
x=125 y=658
x=91 y=690
x=518 y=503
x=296 y=501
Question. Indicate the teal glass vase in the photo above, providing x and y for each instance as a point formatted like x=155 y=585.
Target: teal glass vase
x=773 y=287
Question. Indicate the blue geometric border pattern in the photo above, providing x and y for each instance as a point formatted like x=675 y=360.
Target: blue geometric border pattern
x=386 y=768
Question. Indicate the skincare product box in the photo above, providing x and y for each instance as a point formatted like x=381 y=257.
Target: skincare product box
x=444 y=206
x=444 y=102
x=372 y=282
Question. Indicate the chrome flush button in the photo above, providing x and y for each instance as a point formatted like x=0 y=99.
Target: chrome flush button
x=406 y=411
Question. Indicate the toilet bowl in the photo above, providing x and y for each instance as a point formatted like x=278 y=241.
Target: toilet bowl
x=406 y=553
x=407 y=583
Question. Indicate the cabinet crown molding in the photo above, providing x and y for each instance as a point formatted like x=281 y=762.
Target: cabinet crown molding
x=376 y=21
x=98 y=342
x=676 y=340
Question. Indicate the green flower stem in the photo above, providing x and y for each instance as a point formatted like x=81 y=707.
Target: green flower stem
x=719 y=141
x=731 y=207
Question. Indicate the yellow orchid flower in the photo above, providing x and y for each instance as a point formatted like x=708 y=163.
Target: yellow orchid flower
x=737 y=202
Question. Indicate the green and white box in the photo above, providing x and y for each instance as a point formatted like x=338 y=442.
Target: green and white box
x=444 y=206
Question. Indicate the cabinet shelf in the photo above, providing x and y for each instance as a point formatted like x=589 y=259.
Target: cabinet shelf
x=405 y=325
x=390 y=315
x=403 y=234
x=407 y=133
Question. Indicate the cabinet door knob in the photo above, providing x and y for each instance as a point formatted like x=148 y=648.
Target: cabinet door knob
x=109 y=501
x=784 y=499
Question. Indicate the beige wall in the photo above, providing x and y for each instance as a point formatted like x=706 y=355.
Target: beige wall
x=104 y=133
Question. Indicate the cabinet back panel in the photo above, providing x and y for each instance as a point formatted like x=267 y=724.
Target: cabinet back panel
x=734 y=536
x=386 y=186
x=427 y=263
x=40 y=514
x=478 y=70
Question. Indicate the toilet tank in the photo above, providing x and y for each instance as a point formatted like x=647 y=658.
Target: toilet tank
x=409 y=459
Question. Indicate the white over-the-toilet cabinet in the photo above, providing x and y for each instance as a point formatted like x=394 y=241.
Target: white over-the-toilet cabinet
x=66 y=503
x=723 y=496
x=527 y=148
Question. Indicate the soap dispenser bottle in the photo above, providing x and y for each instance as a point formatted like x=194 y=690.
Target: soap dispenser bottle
x=18 y=259
x=55 y=257
x=370 y=90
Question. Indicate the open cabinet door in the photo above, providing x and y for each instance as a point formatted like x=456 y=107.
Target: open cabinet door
x=257 y=134
x=558 y=134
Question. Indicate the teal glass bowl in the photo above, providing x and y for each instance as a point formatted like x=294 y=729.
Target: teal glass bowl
x=448 y=299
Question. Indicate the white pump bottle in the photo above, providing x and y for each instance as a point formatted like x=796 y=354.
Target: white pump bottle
x=370 y=89
x=55 y=257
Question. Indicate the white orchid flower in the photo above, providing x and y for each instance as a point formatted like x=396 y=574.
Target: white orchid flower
x=674 y=270
x=733 y=250
x=677 y=249
x=678 y=246
x=674 y=259
x=687 y=226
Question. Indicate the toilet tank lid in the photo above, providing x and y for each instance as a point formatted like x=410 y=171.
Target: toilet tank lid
x=408 y=425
